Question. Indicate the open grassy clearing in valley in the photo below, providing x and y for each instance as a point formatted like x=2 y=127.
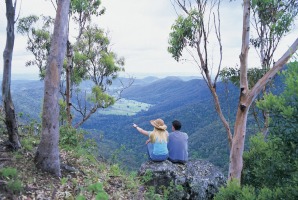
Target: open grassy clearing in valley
x=126 y=107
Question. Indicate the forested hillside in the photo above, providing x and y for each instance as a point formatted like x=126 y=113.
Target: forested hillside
x=169 y=98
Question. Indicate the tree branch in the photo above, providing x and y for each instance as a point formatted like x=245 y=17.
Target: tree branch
x=271 y=73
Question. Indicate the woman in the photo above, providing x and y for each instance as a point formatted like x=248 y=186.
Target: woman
x=158 y=139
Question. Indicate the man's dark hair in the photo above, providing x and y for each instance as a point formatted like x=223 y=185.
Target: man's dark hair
x=177 y=125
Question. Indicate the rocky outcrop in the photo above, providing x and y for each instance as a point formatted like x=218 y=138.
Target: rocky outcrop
x=198 y=179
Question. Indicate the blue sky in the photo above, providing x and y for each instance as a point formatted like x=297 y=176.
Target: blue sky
x=139 y=31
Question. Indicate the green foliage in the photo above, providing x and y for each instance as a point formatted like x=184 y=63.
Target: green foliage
x=31 y=129
x=285 y=105
x=151 y=194
x=28 y=143
x=272 y=20
x=101 y=99
x=266 y=165
x=101 y=167
x=116 y=153
x=70 y=137
x=30 y=133
x=132 y=181
x=13 y=185
x=8 y=173
x=94 y=60
x=285 y=192
x=233 y=191
x=97 y=188
x=115 y=170
x=64 y=180
x=270 y=165
x=284 y=109
x=101 y=65
x=62 y=111
x=74 y=139
x=183 y=33
x=80 y=197
x=79 y=73
x=25 y=24
x=278 y=16
x=147 y=176
x=233 y=75
x=172 y=191
x=39 y=38
x=84 y=9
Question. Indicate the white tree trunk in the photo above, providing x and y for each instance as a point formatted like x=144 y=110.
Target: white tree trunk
x=47 y=155
x=236 y=162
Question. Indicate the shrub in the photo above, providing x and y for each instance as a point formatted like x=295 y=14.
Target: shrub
x=13 y=185
x=233 y=191
x=97 y=189
x=70 y=137
x=8 y=173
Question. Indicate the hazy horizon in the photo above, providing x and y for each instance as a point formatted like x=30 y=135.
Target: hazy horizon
x=27 y=76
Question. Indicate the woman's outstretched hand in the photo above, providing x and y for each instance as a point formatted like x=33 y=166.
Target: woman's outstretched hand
x=134 y=125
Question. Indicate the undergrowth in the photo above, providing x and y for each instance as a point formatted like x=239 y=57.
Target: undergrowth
x=83 y=175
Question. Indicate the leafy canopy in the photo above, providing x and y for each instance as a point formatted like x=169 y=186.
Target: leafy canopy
x=183 y=33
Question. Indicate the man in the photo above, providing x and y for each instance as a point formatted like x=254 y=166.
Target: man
x=178 y=144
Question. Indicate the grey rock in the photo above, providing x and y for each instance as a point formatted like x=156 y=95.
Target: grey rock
x=197 y=179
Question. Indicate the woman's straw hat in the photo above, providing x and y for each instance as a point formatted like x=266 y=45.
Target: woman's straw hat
x=159 y=124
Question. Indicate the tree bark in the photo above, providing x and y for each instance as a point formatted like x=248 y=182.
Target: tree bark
x=236 y=153
x=236 y=160
x=47 y=155
x=68 y=82
x=10 y=117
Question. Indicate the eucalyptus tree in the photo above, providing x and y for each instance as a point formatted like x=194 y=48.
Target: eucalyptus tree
x=47 y=154
x=193 y=32
x=100 y=64
x=76 y=68
x=271 y=21
x=81 y=12
x=9 y=110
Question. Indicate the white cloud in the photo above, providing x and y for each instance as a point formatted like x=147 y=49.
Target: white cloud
x=139 y=31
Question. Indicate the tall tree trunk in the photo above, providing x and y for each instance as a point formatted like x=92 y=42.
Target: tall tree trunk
x=10 y=117
x=236 y=162
x=236 y=153
x=68 y=82
x=47 y=155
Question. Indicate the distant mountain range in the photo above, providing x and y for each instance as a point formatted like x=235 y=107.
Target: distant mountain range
x=186 y=99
